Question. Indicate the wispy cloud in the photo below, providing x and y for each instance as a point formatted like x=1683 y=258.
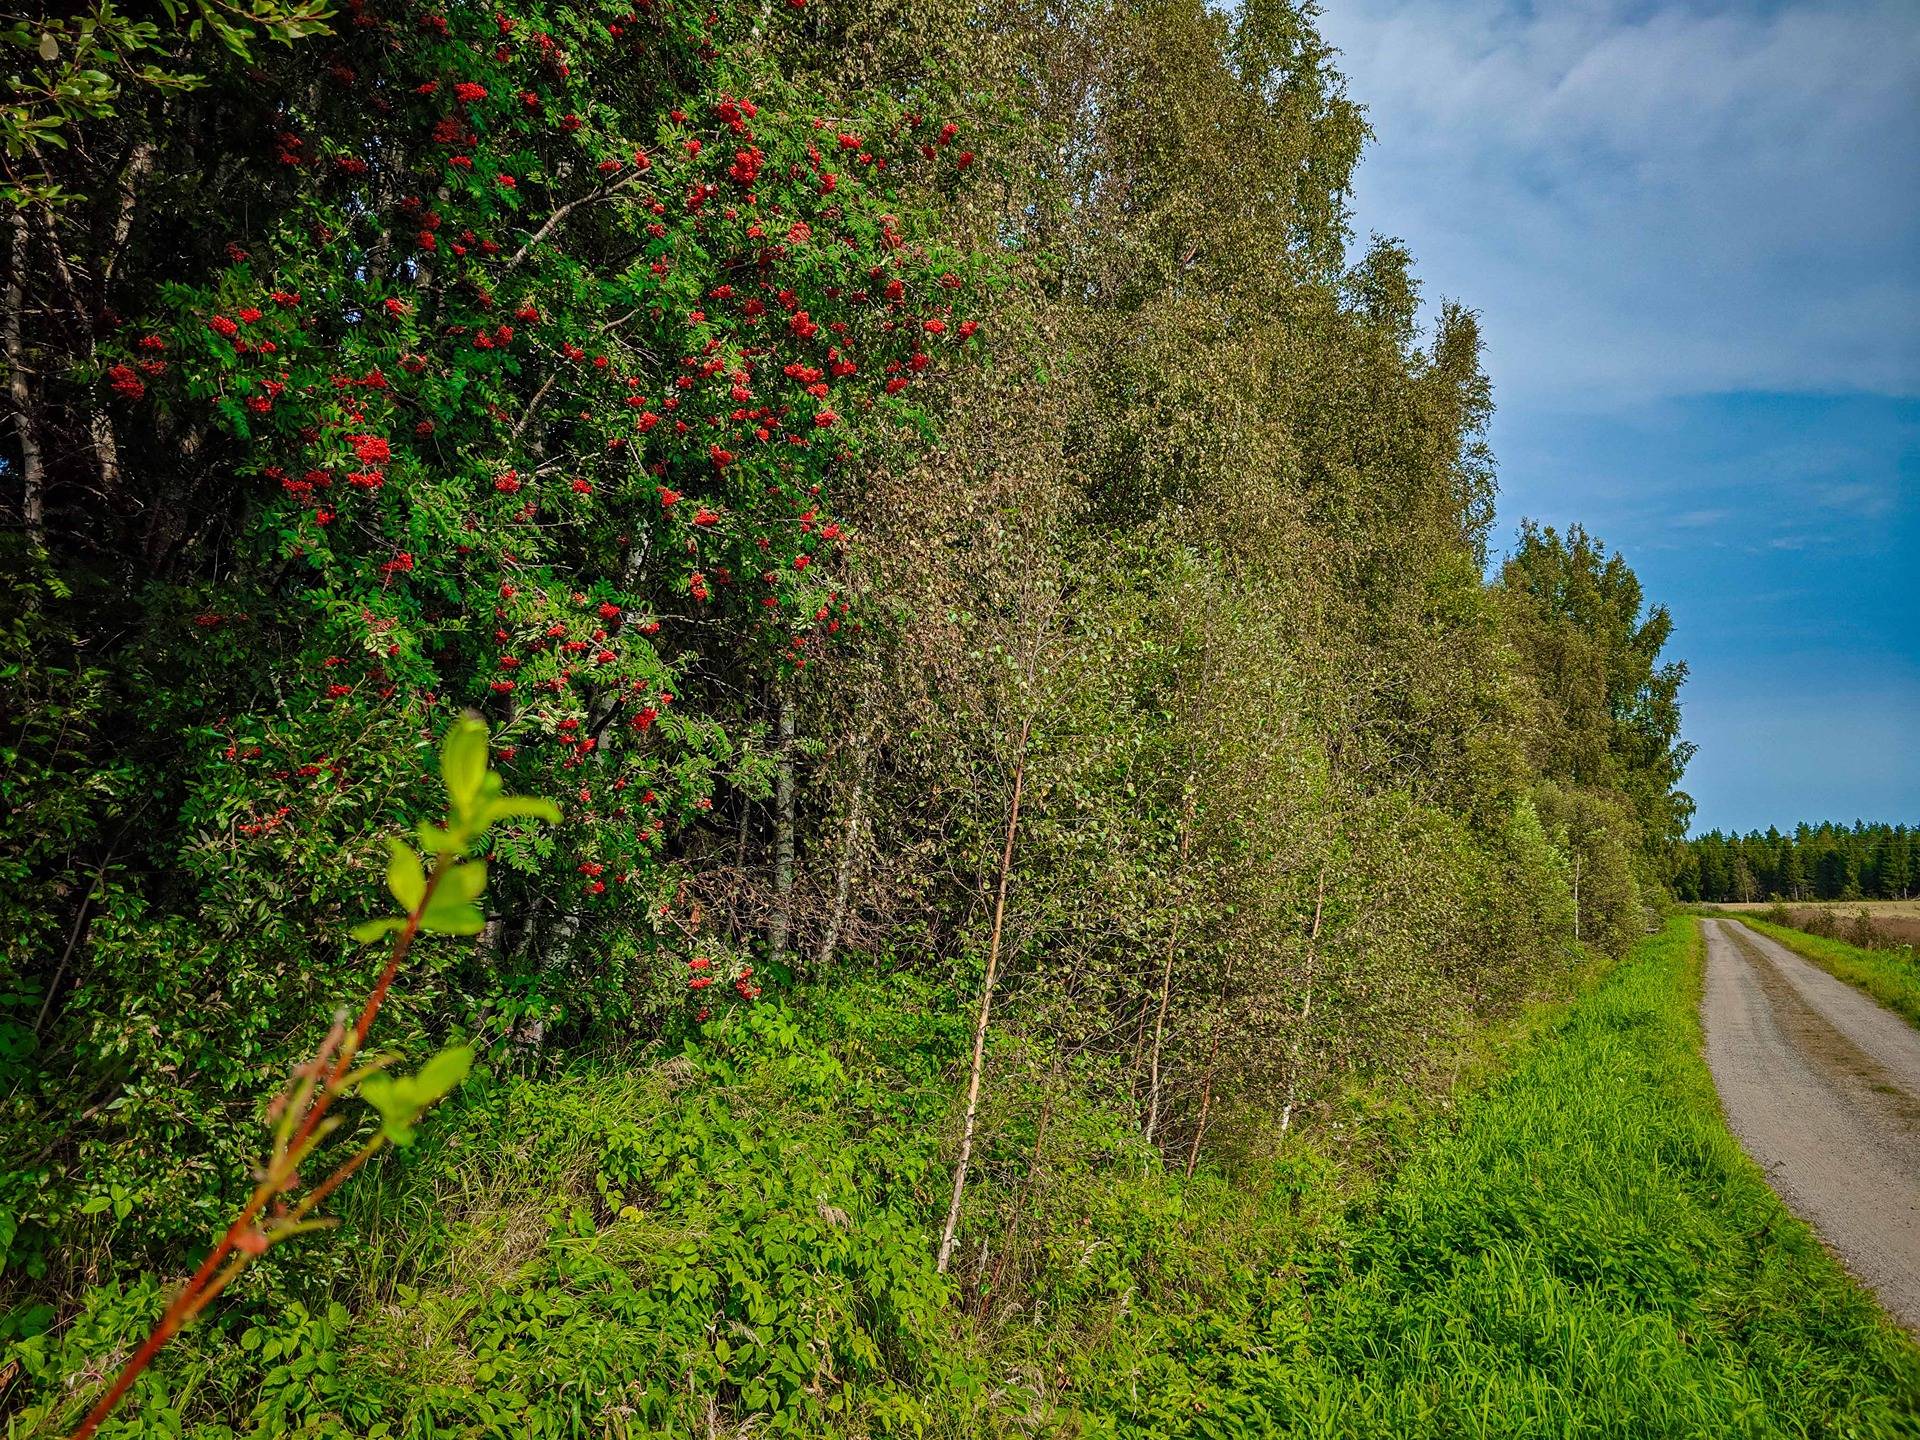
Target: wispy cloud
x=1858 y=499
x=1649 y=201
x=1700 y=519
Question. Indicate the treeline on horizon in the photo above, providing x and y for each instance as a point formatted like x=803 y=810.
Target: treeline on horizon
x=799 y=433
x=1816 y=862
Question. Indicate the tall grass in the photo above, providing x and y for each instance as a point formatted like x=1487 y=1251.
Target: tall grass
x=1588 y=1253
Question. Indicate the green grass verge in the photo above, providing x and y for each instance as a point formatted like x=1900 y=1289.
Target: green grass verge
x=1891 y=976
x=1588 y=1253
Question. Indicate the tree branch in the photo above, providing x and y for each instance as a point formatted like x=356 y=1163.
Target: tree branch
x=515 y=260
x=33 y=470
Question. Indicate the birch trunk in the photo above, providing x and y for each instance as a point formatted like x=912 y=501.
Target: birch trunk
x=843 y=879
x=780 y=922
x=952 y=1230
x=1206 y=1102
x=1576 y=902
x=1166 y=971
x=1306 y=1005
x=84 y=305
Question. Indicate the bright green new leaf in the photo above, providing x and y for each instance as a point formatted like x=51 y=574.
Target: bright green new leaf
x=463 y=882
x=473 y=793
x=522 y=807
x=436 y=840
x=401 y=1099
x=444 y=1071
x=384 y=1093
x=450 y=915
x=463 y=762
x=405 y=876
x=370 y=930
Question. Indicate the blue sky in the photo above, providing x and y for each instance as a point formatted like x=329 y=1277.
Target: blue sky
x=1692 y=232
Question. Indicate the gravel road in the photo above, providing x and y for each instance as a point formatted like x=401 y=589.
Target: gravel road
x=1823 y=1088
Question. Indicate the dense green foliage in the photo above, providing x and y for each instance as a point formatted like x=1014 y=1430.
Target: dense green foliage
x=365 y=463
x=1889 y=973
x=740 y=1228
x=1815 y=862
x=70 y=64
x=1611 y=706
x=798 y=430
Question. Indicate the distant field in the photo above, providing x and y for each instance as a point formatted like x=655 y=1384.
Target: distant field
x=1890 y=923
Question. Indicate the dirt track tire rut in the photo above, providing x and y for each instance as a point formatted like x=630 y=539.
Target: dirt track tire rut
x=1822 y=1087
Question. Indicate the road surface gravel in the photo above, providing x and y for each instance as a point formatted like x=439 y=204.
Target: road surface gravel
x=1822 y=1086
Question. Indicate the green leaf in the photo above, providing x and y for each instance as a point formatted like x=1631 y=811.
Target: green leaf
x=405 y=876
x=96 y=1205
x=449 y=915
x=522 y=807
x=370 y=930
x=463 y=882
x=463 y=762
x=36 y=1321
x=436 y=841
x=401 y=1099
x=444 y=1071
x=387 y=1094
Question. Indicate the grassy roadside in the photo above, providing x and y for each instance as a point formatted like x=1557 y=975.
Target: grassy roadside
x=1589 y=1252
x=1889 y=976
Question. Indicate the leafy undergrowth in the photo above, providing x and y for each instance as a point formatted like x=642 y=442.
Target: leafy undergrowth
x=739 y=1241
x=1891 y=976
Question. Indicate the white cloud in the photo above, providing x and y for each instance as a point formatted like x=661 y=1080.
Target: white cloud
x=1700 y=519
x=1653 y=201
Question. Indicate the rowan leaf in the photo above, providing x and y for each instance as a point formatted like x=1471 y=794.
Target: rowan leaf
x=463 y=762
x=522 y=807
x=406 y=878
x=449 y=915
x=402 y=1099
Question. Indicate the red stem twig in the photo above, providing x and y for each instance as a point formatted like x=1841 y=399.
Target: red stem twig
x=209 y=1280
